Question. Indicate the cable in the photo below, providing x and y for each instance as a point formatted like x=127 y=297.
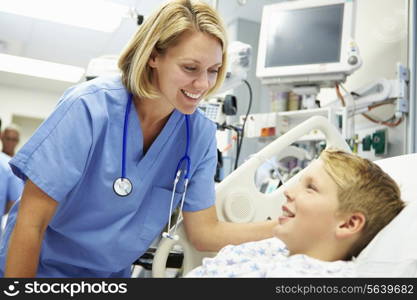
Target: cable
x=240 y=135
x=339 y=95
x=370 y=107
x=386 y=123
x=388 y=101
x=344 y=88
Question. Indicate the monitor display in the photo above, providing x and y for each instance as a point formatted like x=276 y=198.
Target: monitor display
x=292 y=42
x=307 y=40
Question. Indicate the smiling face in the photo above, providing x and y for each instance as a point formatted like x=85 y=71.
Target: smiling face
x=309 y=218
x=185 y=72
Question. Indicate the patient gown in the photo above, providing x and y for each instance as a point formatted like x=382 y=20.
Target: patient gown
x=268 y=258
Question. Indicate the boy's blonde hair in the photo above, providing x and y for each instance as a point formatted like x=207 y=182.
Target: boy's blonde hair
x=363 y=187
x=162 y=30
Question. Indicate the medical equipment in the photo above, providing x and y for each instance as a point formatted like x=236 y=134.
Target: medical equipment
x=238 y=200
x=379 y=92
x=122 y=186
x=306 y=45
x=213 y=110
x=239 y=62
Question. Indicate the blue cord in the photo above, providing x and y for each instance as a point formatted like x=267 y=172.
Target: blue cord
x=187 y=146
x=129 y=104
x=186 y=157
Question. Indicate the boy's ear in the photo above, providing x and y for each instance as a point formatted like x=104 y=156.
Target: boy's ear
x=350 y=224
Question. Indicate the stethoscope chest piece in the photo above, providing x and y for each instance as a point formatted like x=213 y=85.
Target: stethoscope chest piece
x=122 y=186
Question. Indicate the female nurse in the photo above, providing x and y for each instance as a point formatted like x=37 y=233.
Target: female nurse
x=99 y=171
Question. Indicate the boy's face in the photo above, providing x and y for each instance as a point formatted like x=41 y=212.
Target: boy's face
x=309 y=216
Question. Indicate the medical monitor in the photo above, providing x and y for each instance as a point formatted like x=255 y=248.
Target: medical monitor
x=307 y=42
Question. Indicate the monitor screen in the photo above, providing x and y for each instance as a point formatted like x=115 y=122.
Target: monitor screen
x=291 y=40
x=307 y=41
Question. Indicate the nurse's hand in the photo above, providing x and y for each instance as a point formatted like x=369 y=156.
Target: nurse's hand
x=35 y=212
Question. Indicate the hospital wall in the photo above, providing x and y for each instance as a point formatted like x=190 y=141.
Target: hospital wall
x=26 y=107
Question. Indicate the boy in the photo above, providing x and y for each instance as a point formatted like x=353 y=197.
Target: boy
x=339 y=204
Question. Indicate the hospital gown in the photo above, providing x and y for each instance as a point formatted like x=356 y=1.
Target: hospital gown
x=268 y=258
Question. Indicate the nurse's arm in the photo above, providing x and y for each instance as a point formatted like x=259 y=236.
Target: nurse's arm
x=35 y=211
x=207 y=233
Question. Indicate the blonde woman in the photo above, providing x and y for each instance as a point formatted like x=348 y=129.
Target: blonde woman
x=99 y=172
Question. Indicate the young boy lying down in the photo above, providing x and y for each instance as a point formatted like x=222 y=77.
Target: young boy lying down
x=339 y=204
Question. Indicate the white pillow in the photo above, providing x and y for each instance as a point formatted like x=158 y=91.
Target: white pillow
x=393 y=251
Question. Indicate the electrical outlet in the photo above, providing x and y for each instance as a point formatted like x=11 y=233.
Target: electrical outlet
x=367 y=143
x=379 y=142
x=373 y=142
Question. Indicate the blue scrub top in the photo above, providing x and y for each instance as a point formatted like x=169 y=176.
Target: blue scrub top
x=75 y=156
x=11 y=187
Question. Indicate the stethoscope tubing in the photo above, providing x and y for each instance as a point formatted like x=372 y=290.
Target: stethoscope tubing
x=125 y=126
x=185 y=158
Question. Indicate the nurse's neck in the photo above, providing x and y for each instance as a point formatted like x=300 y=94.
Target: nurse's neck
x=153 y=111
x=153 y=115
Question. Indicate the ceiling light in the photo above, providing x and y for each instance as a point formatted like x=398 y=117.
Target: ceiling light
x=40 y=68
x=99 y=15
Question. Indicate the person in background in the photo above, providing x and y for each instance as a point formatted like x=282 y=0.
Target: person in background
x=99 y=171
x=10 y=186
x=340 y=203
x=10 y=138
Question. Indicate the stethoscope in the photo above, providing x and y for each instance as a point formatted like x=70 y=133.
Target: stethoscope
x=122 y=186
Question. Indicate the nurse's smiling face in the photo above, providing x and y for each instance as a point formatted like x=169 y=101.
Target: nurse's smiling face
x=185 y=72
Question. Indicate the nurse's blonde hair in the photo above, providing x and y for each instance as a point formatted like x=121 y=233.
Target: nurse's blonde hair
x=162 y=30
x=363 y=187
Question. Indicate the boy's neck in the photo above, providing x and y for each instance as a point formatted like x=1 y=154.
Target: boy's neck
x=327 y=252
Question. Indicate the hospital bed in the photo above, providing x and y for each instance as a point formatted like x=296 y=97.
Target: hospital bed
x=392 y=253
